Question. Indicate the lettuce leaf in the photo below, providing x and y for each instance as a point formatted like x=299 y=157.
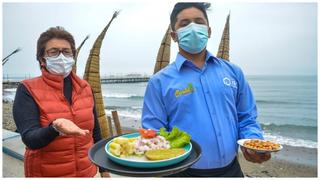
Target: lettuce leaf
x=176 y=137
x=164 y=133
x=174 y=134
x=180 y=141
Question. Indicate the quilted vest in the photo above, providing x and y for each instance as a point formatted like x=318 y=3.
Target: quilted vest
x=65 y=156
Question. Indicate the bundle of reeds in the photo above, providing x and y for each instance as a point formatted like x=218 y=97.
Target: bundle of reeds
x=223 y=51
x=74 y=68
x=92 y=75
x=163 y=57
x=6 y=59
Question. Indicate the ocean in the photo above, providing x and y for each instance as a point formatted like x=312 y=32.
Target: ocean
x=287 y=106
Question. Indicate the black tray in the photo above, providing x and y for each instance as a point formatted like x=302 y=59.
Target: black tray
x=99 y=157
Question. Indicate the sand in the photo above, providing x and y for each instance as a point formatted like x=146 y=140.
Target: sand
x=289 y=162
x=284 y=164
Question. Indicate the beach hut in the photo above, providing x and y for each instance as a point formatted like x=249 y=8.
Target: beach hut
x=223 y=51
x=163 y=57
x=92 y=75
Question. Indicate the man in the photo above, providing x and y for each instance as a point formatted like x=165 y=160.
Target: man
x=55 y=113
x=205 y=96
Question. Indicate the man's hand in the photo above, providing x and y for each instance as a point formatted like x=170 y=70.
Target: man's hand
x=255 y=157
x=105 y=174
x=67 y=127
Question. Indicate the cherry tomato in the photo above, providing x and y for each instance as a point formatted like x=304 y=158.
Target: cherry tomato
x=148 y=133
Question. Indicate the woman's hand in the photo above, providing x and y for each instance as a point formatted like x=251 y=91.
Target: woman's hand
x=67 y=127
x=255 y=157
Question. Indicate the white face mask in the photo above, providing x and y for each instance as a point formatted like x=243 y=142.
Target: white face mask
x=60 y=65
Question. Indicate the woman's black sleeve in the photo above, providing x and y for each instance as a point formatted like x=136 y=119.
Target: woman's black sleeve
x=26 y=115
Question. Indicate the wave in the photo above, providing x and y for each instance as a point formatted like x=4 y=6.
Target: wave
x=136 y=107
x=8 y=99
x=122 y=96
x=128 y=108
x=10 y=90
x=133 y=112
x=126 y=115
x=135 y=119
x=292 y=135
x=290 y=127
x=285 y=102
x=8 y=95
x=291 y=141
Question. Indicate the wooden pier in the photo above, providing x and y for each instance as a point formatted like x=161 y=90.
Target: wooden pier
x=10 y=84
x=124 y=80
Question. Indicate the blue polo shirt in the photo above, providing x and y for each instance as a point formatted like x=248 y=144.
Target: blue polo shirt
x=215 y=105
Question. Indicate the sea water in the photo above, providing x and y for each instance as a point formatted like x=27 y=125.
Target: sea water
x=287 y=106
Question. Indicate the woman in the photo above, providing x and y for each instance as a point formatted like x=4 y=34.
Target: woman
x=55 y=113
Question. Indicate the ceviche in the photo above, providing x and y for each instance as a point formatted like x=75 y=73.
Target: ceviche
x=152 y=145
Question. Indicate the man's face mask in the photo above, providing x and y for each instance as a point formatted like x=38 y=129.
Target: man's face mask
x=193 y=38
x=60 y=65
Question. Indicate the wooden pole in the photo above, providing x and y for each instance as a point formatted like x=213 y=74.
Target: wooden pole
x=116 y=122
x=110 y=126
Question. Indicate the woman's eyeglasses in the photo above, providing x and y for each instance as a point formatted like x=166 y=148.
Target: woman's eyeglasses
x=55 y=52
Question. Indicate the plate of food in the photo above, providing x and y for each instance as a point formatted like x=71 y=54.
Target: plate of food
x=149 y=149
x=260 y=146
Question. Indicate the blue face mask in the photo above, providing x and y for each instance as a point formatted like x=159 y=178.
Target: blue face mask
x=193 y=38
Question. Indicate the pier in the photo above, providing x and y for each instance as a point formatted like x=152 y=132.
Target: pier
x=10 y=84
x=111 y=80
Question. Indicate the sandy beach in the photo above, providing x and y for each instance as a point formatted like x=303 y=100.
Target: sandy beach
x=289 y=162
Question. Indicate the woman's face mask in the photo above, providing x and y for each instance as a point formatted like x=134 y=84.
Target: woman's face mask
x=193 y=38
x=59 y=65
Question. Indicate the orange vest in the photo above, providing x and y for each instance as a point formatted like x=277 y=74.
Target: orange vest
x=65 y=156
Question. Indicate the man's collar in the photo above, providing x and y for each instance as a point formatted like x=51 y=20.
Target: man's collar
x=180 y=60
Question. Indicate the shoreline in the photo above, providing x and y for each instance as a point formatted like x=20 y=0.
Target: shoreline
x=289 y=162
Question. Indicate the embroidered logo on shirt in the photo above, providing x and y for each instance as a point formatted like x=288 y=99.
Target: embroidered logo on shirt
x=189 y=89
x=230 y=82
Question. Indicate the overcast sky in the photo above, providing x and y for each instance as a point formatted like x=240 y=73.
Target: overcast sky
x=266 y=38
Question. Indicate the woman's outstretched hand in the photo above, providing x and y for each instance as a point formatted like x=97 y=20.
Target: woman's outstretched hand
x=67 y=127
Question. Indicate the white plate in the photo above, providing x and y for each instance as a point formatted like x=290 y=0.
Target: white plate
x=241 y=142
